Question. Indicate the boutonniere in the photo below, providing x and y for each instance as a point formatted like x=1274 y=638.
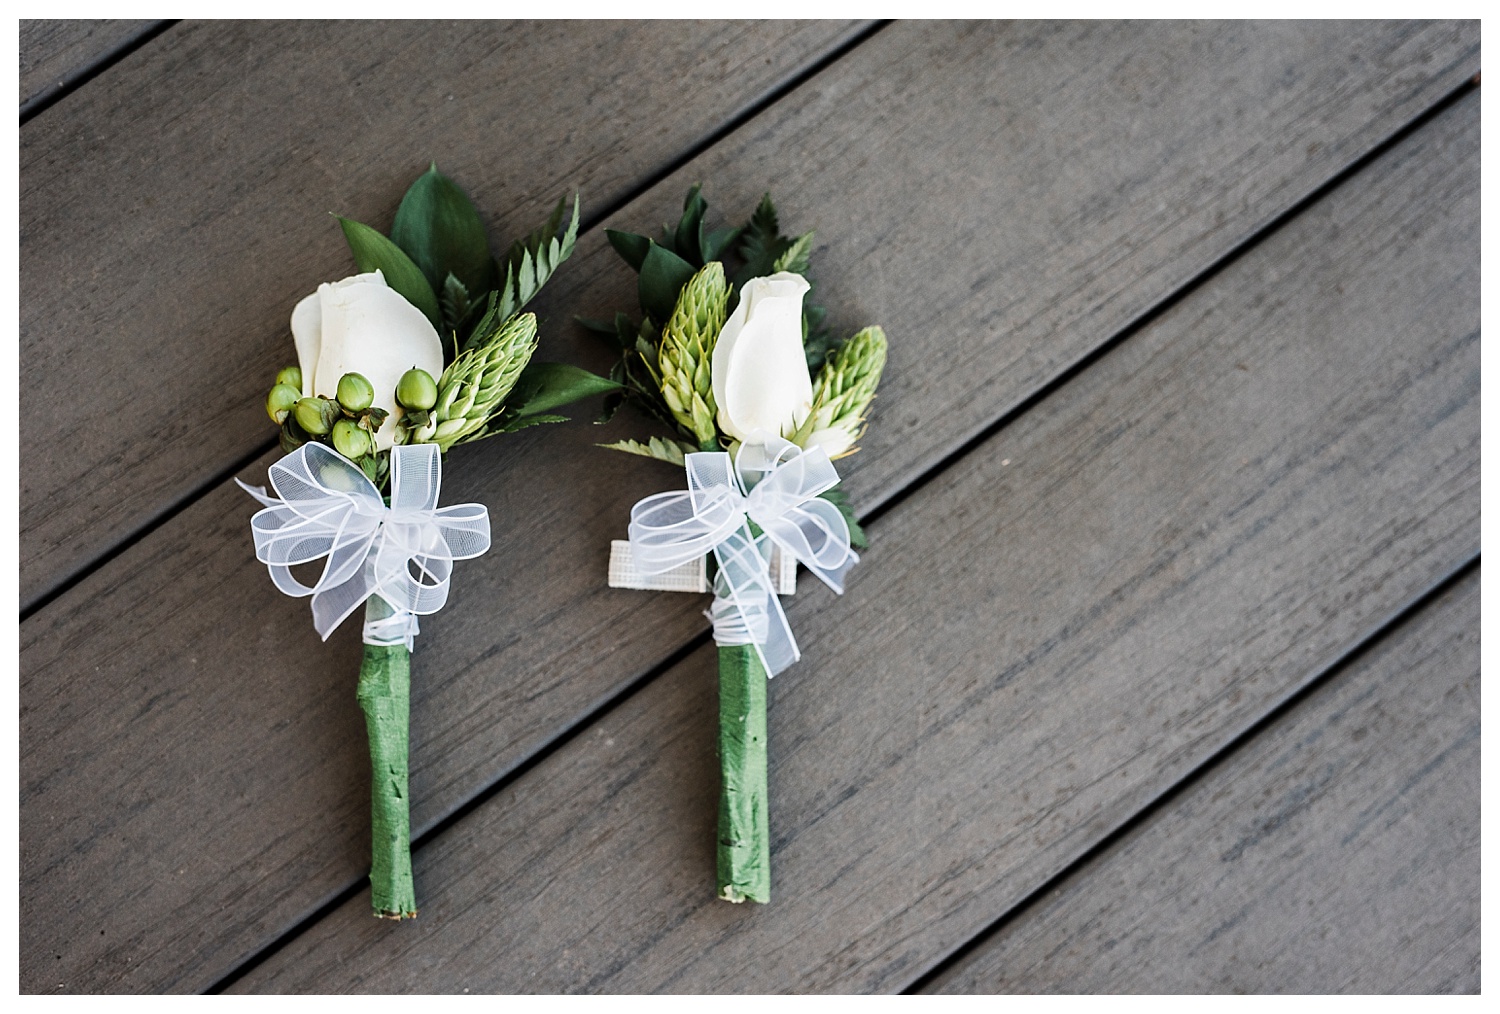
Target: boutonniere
x=758 y=399
x=424 y=349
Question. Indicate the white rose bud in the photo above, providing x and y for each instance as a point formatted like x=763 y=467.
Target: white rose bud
x=361 y=325
x=759 y=374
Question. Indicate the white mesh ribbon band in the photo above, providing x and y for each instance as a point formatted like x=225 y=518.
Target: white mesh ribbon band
x=691 y=576
x=402 y=554
x=772 y=484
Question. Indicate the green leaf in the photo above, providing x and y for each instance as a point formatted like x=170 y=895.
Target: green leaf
x=760 y=243
x=545 y=386
x=523 y=422
x=716 y=242
x=840 y=499
x=795 y=256
x=597 y=324
x=629 y=246
x=372 y=252
x=663 y=274
x=531 y=260
x=454 y=302
x=689 y=239
x=612 y=403
x=439 y=228
x=670 y=451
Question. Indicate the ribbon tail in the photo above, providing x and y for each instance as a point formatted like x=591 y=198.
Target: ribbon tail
x=746 y=609
x=259 y=492
x=332 y=606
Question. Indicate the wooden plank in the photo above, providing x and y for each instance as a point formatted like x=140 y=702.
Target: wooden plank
x=1338 y=852
x=179 y=209
x=55 y=53
x=532 y=641
x=1040 y=640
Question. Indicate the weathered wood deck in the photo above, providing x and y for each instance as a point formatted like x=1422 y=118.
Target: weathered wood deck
x=1161 y=673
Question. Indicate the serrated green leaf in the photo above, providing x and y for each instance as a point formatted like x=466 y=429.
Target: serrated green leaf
x=533 y=259
x=438 y=227
x=663 y=274
x=795 y=257
x=670 y=451
x=761 y=243
x=631 y=247
x=454 y=303
x=546 y=386
x=523 y=422
x=597 y=325
x=372 y=252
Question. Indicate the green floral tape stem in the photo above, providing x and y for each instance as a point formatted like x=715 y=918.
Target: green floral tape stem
x=744 y=817
x=385 y=694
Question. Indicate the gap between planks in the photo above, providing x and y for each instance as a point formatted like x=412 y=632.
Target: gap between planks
x=1391 y=628
x=590 y=220
x=1412 y=168
x=1385 y=126
x=77 y=76
x=883 y=506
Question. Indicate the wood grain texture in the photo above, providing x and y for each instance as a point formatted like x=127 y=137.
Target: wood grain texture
x=183 y=632
x=173 y=213
x=1040 y=640
x=54 y=54
x=1338 y=852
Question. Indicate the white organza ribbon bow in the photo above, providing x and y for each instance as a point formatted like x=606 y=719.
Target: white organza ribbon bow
x=773 y=484
x=403 y=553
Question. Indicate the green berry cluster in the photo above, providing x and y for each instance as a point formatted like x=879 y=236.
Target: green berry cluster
x=349 y=420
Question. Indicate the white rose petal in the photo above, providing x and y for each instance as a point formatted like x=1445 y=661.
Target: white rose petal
x=361 y=325
x=759 y=371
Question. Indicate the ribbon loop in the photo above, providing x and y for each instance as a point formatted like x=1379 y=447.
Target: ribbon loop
x=401 y=554
x=774 y=485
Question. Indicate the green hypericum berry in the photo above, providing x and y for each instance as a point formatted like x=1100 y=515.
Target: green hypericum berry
x=280 y=401
x=355 y=392
x=291 y=376
x=315 y=415
x=417 y=390
x=687 y=348
x=349 y=440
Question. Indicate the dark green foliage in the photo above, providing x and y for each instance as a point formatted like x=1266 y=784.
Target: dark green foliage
x=840 y=499
x=543 y=387
x=439 y=228
x=663 y=274
x=438 y=257
x=751 y=250
x=372 y=252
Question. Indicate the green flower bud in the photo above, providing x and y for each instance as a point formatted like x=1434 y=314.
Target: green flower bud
x=315 y=415
x=416 y=389
x=349 y=440
x=475 y=385
x=280 y=401
x=355 y=392
x=687 y=348
x=844 y=391
x=291 y=376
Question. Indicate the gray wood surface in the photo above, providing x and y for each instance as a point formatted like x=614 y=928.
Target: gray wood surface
x=174 y=211
x=1337 y=852
x=56 y=53
x=183 y=633
x=1040 y=641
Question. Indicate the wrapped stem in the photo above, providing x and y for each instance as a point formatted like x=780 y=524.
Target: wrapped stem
x=744 y=817
x=385 y=694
